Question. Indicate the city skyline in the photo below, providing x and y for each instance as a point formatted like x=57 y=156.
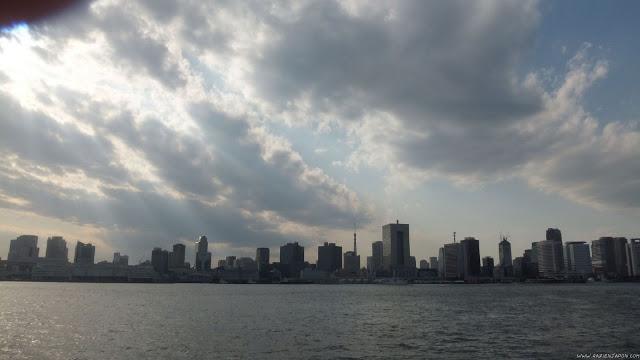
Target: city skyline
x=125 y=128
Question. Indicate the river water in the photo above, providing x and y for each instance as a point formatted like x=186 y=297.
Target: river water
x=213 y=321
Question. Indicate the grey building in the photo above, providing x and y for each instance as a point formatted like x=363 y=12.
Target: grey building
x=85 y=254
x=470 y=258
x=452 y=261
x=395 y=246
x=262 y=258
x=609 y=257
x=177 y=256
x=23 y=253
x=577 y=258
x=119 y=259
x=424 y=264
x=487 y=266
x=504 y=253
x=203 y=256
x=377 y=257
x=291 y=259
x=550 y=259
x=351 y=263
x=433 y=262
x=329 y=257
x=633 y=257
x=160 y=260
x=57 y=248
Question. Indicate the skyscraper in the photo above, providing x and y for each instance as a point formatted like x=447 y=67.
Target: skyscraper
x=424 y=264
x=633 y=257
x=160 y=260
x=292 y=259
x=23 y=249
x=504 y=253
x=262 y=258
x=57 y=248
x=452 y=261
x=433 y=262
x=377 y=257
x=203 y=256
x=395 y=248
x=558 y=256
x=470 y=258
x=177 y=256
x=329 y=257
x=85 y=253
x=577 y=258
x=549 y=265
x=487 y=266
x=609 y=257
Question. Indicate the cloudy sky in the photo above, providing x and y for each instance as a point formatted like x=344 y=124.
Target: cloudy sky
x=139 y=124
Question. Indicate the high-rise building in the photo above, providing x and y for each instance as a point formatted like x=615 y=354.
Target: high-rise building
x=122 y=260
x=470 y=258
x=57 y=248
x=452 y=261
x=554 y=234
x=424 y=264
x=548 y=262
x=577 y=258
x=433 y=262
x=85 y=254
x=291 y=259
x=329 y=257
x=504 y=251
x=177 y=256
x=487 y=266
x=203 y=256
x=230 y=262
x=633 y=257
x=160 y=260
x=395 y=248
x=609 y=257
x=351 y=263
x=262 y=258
x=23 y=249
x=377 y=257
x=558 y=255
x=441 y=262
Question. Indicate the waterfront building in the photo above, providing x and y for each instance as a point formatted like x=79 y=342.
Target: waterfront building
x=291 y=259
x=577 y=258
x=505 y=258
x=452 y=261
x=160 y=260
x=377 y=257
x=487 y=266
x=329 y=257
x=230 y=262
x=23 y=253
x=177 y=256
x=433 y=262
x=470 y=247
x=633 y=257
x=119 y=259
x=221 y=263
x=441 y=262
x=558 y=256
x=609 y=257
x=203 y=256
x=548 y=263
x=424 y=264
x=85 y=253
x=351 y=263
x=262 y=258
x=395 y=248
x=57 y=248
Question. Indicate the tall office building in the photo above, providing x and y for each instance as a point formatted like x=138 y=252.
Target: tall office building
x=160 y=260
x=177 y=256
x=424 y=264
x=433 y=262
x=119 y=259
x=470 y=258
x=85 y=254
x=291 y=259
x=633 y=257
x=395 y=248
x=23 y=249
x=441 y=262
x=609 y=257
x=620 y=250
x=329 y=257
x=487 y=266
x=550 y=260
x=377 y=257
x=452 y=261
x=577 y=258
x=351 y=263
x=558 y=255
x=57 y=248
x=203 y=256
x=504 y=253
x=262 y=258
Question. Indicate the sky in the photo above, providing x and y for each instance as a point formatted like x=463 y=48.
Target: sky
x=134 y=125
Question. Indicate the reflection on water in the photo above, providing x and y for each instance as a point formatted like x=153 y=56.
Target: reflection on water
x=192 y=321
